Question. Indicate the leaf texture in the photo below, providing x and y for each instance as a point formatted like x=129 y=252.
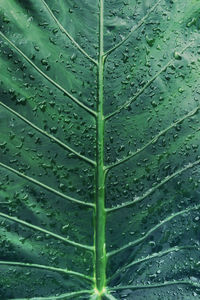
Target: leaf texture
x=99 y=149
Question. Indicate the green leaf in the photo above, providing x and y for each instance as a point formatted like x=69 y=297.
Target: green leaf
x=99 y=162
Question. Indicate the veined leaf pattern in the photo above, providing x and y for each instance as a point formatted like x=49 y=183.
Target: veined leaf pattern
x=99 y=164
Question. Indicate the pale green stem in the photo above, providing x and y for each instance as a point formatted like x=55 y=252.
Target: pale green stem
x=100 y=214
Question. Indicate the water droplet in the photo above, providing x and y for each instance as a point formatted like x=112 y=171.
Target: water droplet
x=177 y=55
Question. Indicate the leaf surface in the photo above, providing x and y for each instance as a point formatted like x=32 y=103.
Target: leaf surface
x=99 y=149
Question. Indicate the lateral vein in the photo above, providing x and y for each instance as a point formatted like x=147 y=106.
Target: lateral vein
x=141 y=239
x=48 y=78
x=48 y=188
x=48 y=135
x=133 y=29
x=154 y=285
x=162 y=132
x=44 y=267
x=110 y=297
x=132 y=99
x=35 y=227
x=62 y=296
x=63 y=30
x=153 y=189
x=149 y=257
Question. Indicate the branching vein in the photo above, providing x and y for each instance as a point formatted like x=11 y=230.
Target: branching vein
x=48 y=188
x=48 y=135
x=132 y=99
x=149 y=257
x=153 y=189
x=63 y=30
x=62 y=297
x=43 y=267
x=38 y=228
x=110 y=297
x=74 y=99
x=156 y=285
x=134 y=28
x=132 y=154
x=137 y=241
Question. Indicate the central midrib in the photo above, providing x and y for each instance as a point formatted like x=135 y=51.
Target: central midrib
x=100 y=214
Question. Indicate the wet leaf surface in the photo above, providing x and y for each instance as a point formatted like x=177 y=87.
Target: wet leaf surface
x=68 y=70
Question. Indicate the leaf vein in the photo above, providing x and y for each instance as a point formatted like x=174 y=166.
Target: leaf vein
x=190 y=114
x=132 y=99
x=63 y=30
x=38 y=228
x=59 y=142
x=154 y=285
x=146 y=235
x=74 y=99
x=133 y=29
x=153 y=189
x=44 y=267
x=149 y=257
x=48 y=188
x=63 y=296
